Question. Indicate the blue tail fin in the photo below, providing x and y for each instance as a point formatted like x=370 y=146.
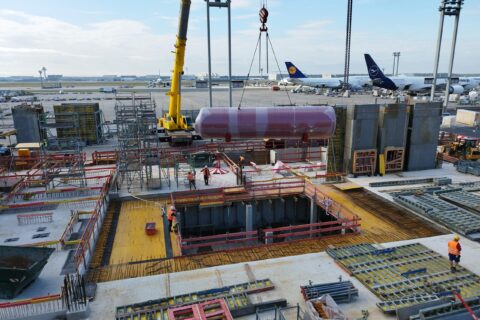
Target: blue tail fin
x=377 y=76
x=374 y=72
x=293 y=71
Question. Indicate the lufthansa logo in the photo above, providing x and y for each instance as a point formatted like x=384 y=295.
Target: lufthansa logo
x=373 y=70
x=292 y=70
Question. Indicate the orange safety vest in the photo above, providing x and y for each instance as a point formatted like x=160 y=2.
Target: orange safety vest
x=190 y=177
x=452 y=248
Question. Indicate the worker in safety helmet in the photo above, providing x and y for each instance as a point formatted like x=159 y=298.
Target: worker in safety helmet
x=206 y=174
x=172 y=212
x=454 y=250
x=191 y=180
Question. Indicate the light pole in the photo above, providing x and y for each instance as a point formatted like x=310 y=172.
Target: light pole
x=447 y=8
x=398 y=62
x=219 y=4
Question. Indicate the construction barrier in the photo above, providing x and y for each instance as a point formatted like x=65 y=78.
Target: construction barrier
x=219 y=239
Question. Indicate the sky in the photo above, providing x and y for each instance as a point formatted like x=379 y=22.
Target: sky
x=119 y=37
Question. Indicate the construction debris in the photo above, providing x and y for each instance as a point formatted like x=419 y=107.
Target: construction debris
x=341 y=291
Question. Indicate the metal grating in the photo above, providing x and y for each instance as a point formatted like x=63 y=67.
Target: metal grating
x=405 y=275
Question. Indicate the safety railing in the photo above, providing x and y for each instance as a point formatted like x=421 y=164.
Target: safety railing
x=309 y=229
x=218 y=240
x=22 y=309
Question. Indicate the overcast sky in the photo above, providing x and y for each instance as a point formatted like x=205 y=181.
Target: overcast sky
x=92 y=37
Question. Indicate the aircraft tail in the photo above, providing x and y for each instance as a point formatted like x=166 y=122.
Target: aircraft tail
x=377 y=76
x=293 y=71
x=374 y=72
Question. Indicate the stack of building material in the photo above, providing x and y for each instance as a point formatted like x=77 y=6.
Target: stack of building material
x=89 y=126
x=448 y=121
x=451 y=216
x=341 y=291
x=468 y=117
x=449 y=310
x=422 y=136
x=468 y=166
x=392 y=135
x=213 y=309
x=360 y=152
x=236 y=299
x=406 y=275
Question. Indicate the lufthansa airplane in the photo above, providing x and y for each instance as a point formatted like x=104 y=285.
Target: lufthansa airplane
x=297 y=77
x=415 y=84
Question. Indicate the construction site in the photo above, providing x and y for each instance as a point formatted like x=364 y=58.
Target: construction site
x=338 y=211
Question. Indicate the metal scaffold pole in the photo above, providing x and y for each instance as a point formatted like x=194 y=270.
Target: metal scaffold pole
x=437 y=53
x=348 y=40
x=209 y=58
x=450 y=65
x=230 y=55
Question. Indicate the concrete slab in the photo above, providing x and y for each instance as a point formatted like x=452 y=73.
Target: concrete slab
x=447 y=170
x=287 y=274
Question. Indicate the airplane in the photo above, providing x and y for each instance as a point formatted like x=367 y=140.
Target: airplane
x=410 y=83
x=297 y=77
x=469 y=83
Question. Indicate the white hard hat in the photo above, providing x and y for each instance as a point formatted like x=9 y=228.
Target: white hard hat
x=172 y=208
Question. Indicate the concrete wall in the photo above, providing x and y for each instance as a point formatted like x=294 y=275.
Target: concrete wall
x=25 y=121
x=422 y=137
x=360 y=131
x=266 y=213
x=392 y=126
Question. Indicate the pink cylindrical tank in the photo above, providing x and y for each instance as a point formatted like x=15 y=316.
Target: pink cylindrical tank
x=303 y=122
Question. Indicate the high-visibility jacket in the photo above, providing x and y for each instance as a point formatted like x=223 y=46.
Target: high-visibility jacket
x=454 y=248
x=170 y=214
x=190 y=177
x=206 y=172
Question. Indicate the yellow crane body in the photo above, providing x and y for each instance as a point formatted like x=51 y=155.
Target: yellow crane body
x=174 y=120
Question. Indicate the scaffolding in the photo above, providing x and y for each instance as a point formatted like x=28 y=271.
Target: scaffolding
x=62 y=150
x=138 y=154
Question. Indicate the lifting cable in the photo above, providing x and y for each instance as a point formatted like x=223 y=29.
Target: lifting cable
x=263 y=28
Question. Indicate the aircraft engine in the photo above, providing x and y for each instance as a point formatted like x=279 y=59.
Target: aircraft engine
x=456 y=89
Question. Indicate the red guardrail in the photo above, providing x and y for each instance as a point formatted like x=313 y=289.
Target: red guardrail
x=219 y=239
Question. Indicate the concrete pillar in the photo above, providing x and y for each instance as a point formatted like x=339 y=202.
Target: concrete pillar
x=268 y=240
x=313 y=211
x=248 y=217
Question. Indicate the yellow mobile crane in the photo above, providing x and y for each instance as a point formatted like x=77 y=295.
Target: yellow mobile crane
x=176 y=127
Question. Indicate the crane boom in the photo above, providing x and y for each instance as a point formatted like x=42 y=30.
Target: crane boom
x=174 y=121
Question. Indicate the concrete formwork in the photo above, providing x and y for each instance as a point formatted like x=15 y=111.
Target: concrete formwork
x=360 y=130
x=392 y=126
x=195 y=220
x=25 y=120
x=422 y=136
x=336 y=144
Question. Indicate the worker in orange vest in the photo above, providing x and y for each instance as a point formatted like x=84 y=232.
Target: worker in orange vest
x=191 y=180
x=172 y=212
x=206 y=174
x=454 y=250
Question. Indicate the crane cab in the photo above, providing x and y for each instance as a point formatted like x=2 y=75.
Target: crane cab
x=168 y=123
